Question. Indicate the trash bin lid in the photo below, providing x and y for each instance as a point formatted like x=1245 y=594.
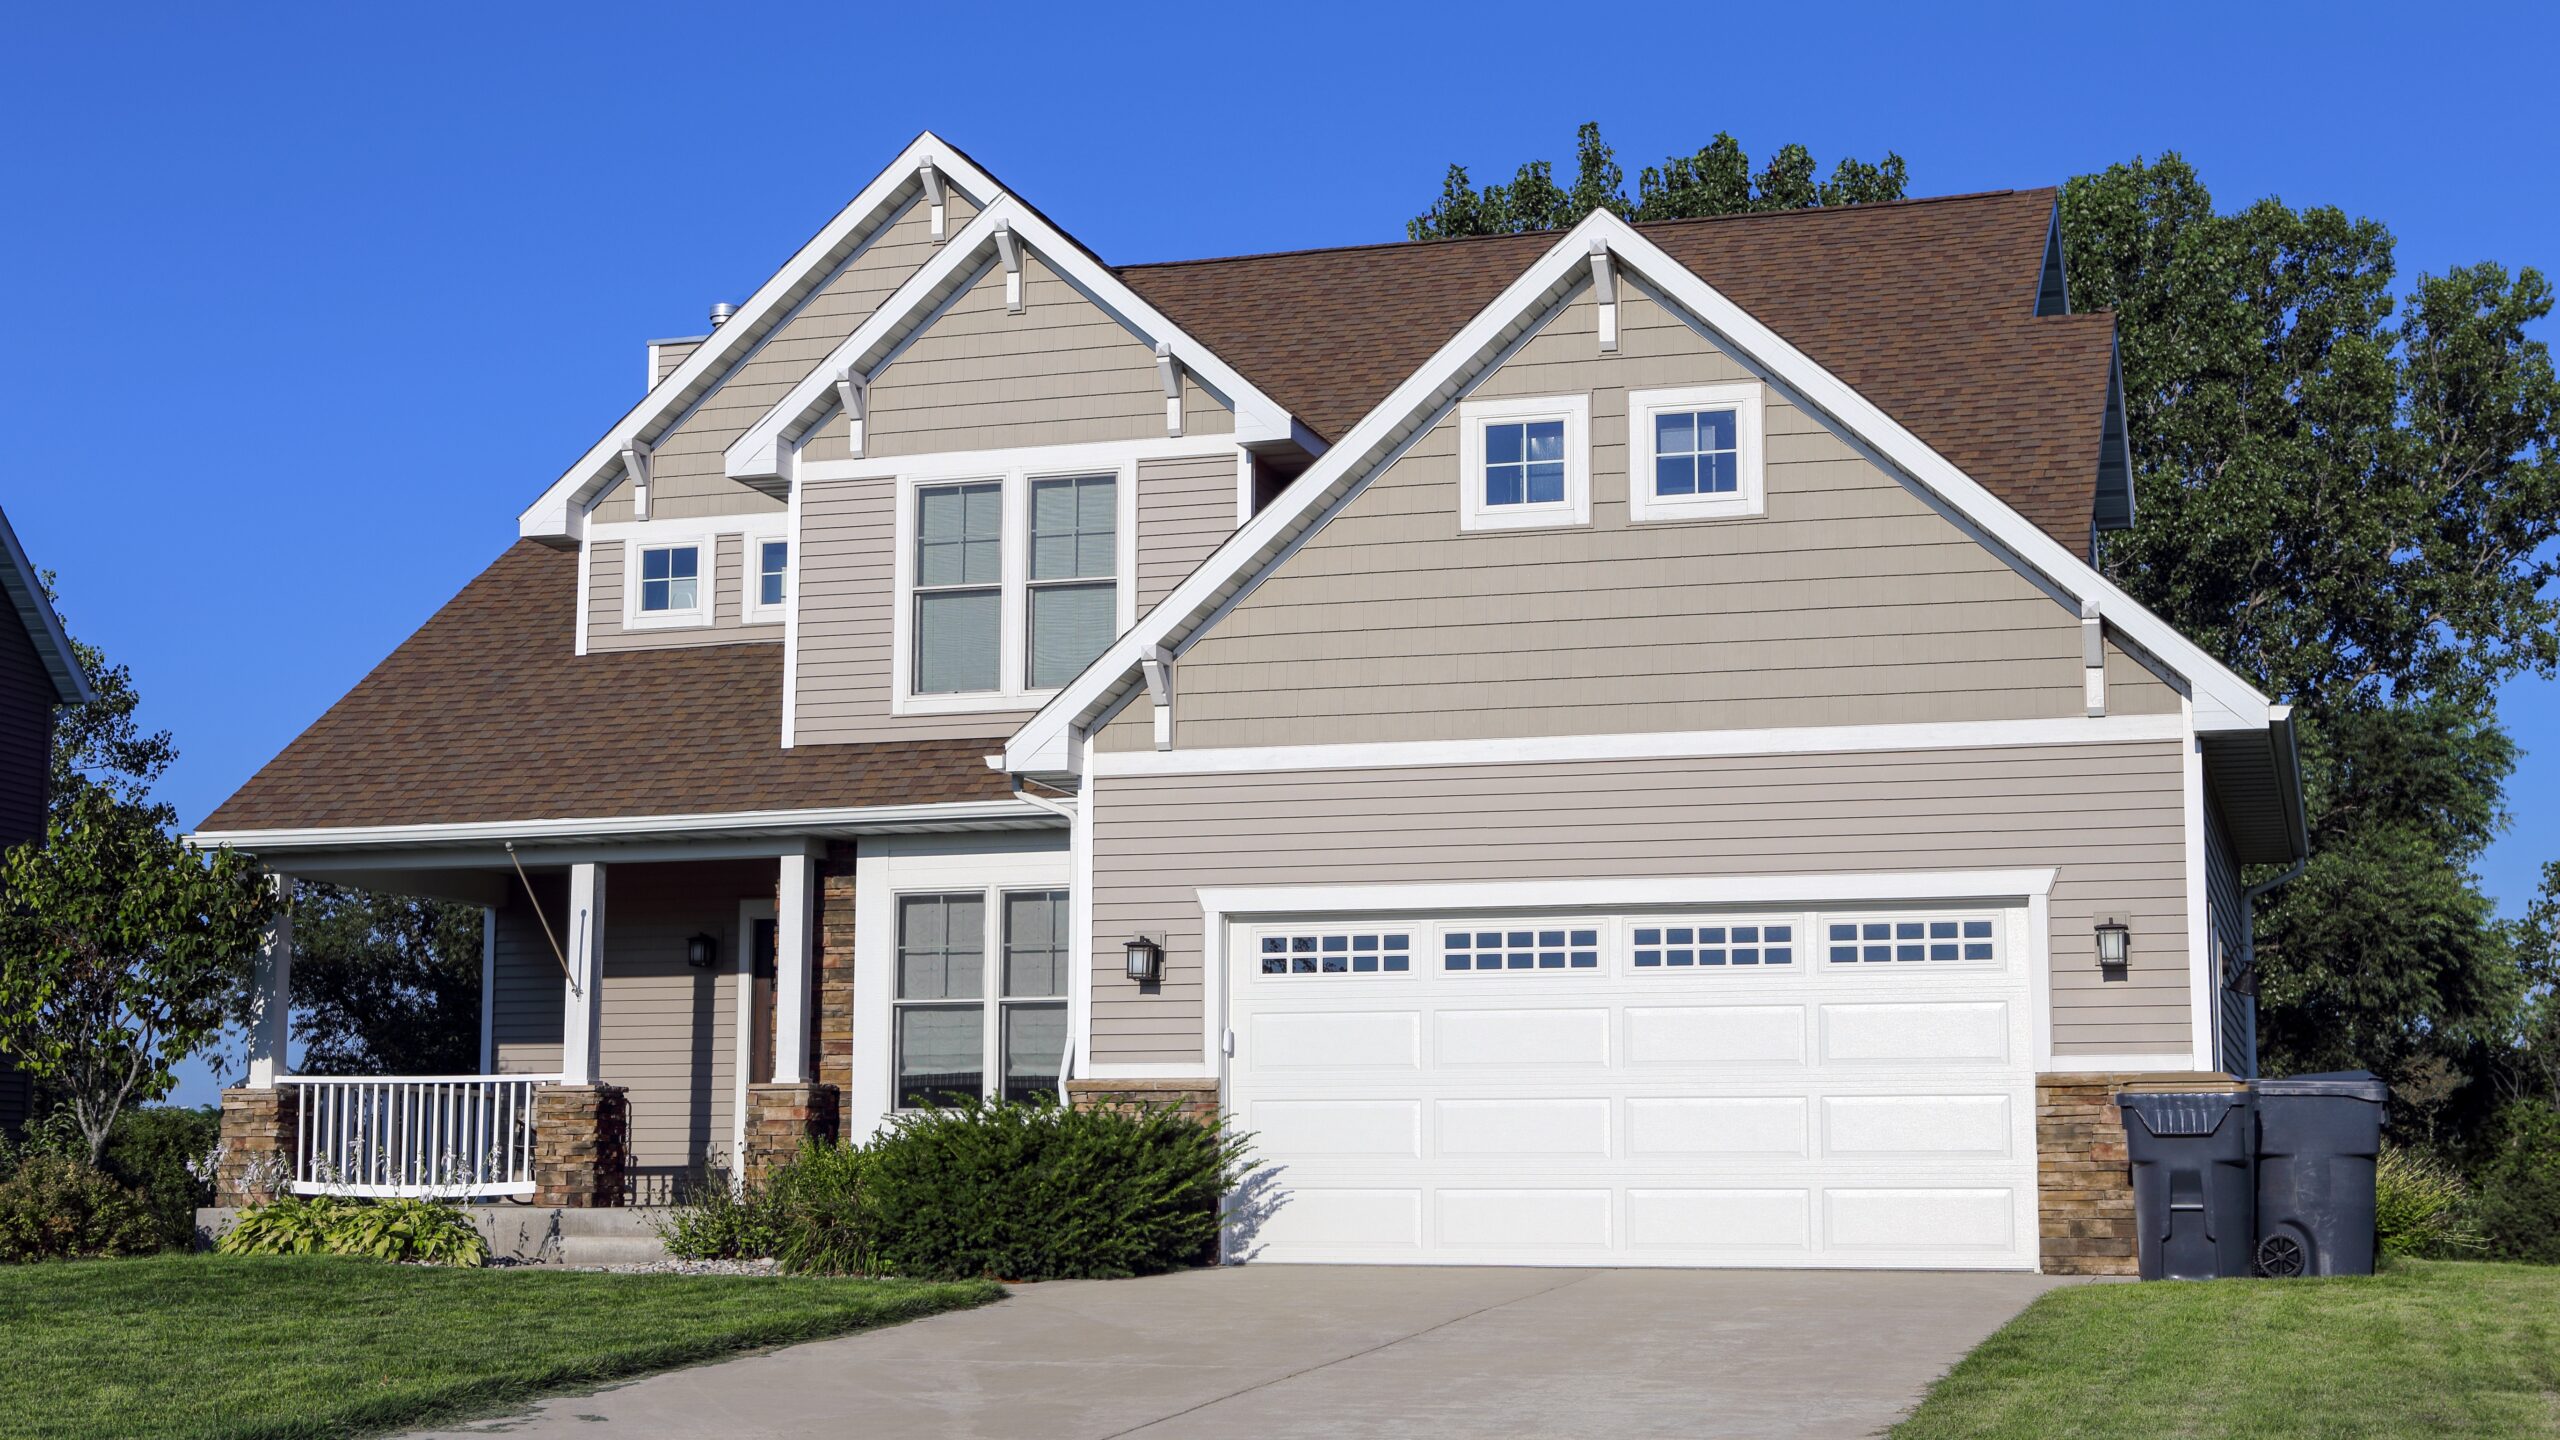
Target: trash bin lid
x=2171 y=1113
x=2339 y=1084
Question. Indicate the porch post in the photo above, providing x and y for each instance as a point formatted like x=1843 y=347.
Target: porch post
x=271 y=994
x=794 y=890
x=579 y=1016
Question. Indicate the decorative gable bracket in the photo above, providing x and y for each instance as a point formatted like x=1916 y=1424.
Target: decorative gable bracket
x=853 y=395
x=1158 y=666
x=635 y=464
x=1604 y=289
x=1009 y=248
x=930 y=176
x=1169 y=371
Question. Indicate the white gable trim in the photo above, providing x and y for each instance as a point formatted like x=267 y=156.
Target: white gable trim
x=764 y=451
x=558 y=515
x=25 y=589
x=2223 y=701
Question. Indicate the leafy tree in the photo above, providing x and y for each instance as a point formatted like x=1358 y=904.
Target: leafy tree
x=120 y=952
x=385 y=984
x=2351 y=500
x=1715 y=181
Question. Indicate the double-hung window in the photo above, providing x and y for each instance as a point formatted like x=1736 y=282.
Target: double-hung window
x=770 y=585
x=1013 y=585
x=1694 y=453
x=957 y=1037
x=1524 y=463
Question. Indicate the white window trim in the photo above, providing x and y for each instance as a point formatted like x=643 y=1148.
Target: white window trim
x=1573 y=509
x=1748 y=400
x=706 y=546
x=1013 y=691
x=751 y=607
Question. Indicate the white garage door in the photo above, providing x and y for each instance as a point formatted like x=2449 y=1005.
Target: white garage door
x=1846 y=1087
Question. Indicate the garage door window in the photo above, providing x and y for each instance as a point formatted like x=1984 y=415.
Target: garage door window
x=1337 y=953
x=1898 y=939
x=1725 y=943
x=1508 y=949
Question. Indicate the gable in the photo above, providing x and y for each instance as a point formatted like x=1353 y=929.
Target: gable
x=1852 y=600
x=981 y=376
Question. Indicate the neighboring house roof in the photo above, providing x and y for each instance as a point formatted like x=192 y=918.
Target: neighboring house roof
x=484 y=715
x=1927 y=307
x=25 y=591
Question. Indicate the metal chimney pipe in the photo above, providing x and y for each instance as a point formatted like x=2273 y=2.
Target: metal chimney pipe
x=721 y=312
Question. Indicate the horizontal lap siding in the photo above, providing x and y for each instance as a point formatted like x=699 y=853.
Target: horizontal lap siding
x=26 y=734
x=528 y=1000
x=1186 y=508
x=2109 y=816
x=670 y=1031
x=688 y=477
x=1850 y=602
x=2226 y=912
x=607 y=573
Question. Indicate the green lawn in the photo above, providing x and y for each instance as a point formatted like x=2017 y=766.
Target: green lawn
x=2436 y=1350
x=206 y=1346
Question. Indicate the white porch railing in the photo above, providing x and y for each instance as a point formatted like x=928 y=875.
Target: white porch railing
x=447 y=1136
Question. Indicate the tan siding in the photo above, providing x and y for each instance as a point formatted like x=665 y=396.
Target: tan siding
x=688 y=479
x=848 y=587
x=1186 y=508
x=2109 y=816
x=667 y=355
x=528 y=999
x=669 y=1031
x=606 y=565
x=1850 y=601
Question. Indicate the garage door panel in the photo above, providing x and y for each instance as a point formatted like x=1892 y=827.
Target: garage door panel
x=1975 y=1031
x=1920 y=1125
x=1728 y=1219
x=1376 y=1040
x=1686 y=1035
x=1919 y=1220
x=1522 y=1127
x=1526 y=1219
x=1337 y=1128
x=1687 y=1127
x=1513 y=1038
x=1317 y=1217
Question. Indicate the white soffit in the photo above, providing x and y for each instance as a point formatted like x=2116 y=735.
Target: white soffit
x=2223 y=700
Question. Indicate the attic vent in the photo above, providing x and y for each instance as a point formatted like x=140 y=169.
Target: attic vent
x=720 y=314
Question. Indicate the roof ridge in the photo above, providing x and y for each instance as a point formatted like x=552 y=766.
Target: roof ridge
x=1795 y=214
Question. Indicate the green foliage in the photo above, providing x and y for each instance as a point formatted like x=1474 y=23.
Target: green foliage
x=157 y=1150
x=1037 y=1192
x=2516 y=1185
x=716 y=1218
x=422 y=1232
x=52 y=1207
x=822 y=1211
x=1715 y=181
x=385 y=984
x=2421 y=1206
x=121 y=951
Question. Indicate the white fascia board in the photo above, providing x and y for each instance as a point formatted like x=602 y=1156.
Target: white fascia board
x=759 y=453
x=1872 y=887
x=53 y=645
x=729 y=823
x=2224 y=700
x=558 y=513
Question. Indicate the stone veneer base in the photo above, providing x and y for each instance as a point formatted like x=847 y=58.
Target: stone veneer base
x=779 y=1118
x=2084 y=1187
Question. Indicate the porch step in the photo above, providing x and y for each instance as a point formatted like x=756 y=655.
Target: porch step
x=611 y=1250
x=614 y=1236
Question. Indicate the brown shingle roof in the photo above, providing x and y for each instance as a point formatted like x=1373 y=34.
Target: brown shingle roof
x=486 y=714
x=1925 y=306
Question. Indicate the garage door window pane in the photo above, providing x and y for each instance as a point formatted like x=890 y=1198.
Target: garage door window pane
x=941 y=1054
x=1563 y=948
x=1924 y=939
x=1711 y=947
x=1337 y=953
x=1035 y=1042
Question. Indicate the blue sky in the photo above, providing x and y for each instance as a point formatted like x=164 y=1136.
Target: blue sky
x=311 y=301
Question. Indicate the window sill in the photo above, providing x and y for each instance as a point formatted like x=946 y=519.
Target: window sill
x=972 y=703
x=1673 y=512
x=1494 y=521
x=668 y=620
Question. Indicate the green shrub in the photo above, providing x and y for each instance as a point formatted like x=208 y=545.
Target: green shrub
x=2421 y=1207
x=151 y=1150
x=53 y=1207
x=715 y=1219
x=822 y=1212
x=427 y=1232
x=1041 y=1191
x=2515 y=1190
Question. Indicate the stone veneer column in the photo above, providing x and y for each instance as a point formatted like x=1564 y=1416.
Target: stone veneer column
x=833 y=944
x=779 y=1118
x=1198 y=1098
x=2084 y=1185
x=581 y=1146
x=260 y=1127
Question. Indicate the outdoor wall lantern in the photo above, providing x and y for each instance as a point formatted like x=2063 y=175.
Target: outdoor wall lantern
x=2115 y=943
x=1145 y=958
x=702 y=952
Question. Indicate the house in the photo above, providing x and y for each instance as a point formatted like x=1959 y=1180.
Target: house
x=38 y=672
x=1602 y=747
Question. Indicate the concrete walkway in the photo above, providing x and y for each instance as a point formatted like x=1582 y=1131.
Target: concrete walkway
x=1277 y=1351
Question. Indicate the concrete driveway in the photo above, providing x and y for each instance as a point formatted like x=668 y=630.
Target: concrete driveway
x=1349 y=1351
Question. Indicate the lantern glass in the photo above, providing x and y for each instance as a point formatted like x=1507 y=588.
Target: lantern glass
x=2115 y=942
x=702 y=952
x=1145 y=960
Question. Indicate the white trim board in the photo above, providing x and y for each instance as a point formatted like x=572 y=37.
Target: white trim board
x=1673 y=745
x=2225 y=701
x=766 y=450
x=560 y=512
x=779 y=824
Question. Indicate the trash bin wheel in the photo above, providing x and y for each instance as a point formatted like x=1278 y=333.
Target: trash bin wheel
x=2280 y=1255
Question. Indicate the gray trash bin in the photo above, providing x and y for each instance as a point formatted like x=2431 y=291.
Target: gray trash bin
x=2191 y=1183
x=2317 y=1136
